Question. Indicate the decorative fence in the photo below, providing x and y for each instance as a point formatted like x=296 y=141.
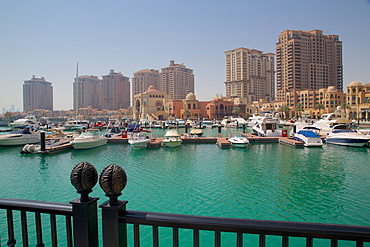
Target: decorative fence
x=81 y=220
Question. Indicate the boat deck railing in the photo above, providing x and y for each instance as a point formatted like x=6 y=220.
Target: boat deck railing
x=121 y=227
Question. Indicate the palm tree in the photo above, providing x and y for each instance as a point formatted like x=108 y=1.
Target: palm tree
x=236 y=111
x=346 y=106
x=285 y=109
x=319 y=107
x=299 y=108
x=186 y=113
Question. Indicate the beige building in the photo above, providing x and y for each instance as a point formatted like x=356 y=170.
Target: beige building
x=176 y=80
x=250 y=74
x=143 y=79
x=150 y=104
x=358 y=100
x=87 y=92
x=115 y=91
x=37 y=94
x=307 y=60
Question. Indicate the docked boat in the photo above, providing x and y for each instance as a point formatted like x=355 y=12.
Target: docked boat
x=196 y=132
x=76 y=124
x=171 y=139
x=309 y=136
x=114 y=131
x=139 y=138
x=267 y=127
x=27 y=121
x=27 y=135
x=90 y=138
x=329 y=120
x=233 y=122
x=257 y=117
x=51 y=145
x=343 y=134
x=238 y=140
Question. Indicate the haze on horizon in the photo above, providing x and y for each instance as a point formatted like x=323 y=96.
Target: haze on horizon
x=47 y=38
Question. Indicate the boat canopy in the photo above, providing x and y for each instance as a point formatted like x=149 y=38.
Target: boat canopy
x=308 y=133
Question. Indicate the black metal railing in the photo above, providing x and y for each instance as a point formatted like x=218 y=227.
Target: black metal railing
x=81 y=221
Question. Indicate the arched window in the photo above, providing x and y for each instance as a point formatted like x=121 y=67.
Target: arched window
x=194 y=107
x=189 y=106
x=221 y=107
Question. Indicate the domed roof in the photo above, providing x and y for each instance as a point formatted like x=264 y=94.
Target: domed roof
x=331 y=89
x=152 y=89
x=190 y=96
x=355 y=83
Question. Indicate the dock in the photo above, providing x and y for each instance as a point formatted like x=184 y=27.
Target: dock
x=222 y=142
x=155 y=143
x=291 y=142
x=56 y=149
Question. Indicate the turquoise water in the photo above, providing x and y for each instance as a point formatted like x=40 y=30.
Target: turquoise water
x=264 y=181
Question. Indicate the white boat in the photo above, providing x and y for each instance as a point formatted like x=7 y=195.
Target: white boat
x=196 y=132
x=329 y=120
x=114 y=131
x=267 y=127
x=342 y=134
x=238 y=140
x=309 y=136
x=139 y=138
x=257 y=117
x=233 y=122
x=171 y=139
x=76 y=124
x=27 y=135
x=27 y=121
x=90 y=138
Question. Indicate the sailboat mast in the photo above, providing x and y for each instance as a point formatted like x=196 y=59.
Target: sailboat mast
x=77 y=85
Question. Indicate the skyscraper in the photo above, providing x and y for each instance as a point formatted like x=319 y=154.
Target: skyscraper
x=37 y=94
x=143 y=79
x=87 y=92
x=176 y=80
x=307 y=60
x=250 y=74
x=115 y=91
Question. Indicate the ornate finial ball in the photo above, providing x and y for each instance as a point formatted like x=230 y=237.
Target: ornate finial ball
x=84 y=177
x=113 y=180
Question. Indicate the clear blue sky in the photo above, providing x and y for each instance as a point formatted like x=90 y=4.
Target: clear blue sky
x=47 y=38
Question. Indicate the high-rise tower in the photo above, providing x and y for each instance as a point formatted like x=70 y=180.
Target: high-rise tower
x=249 y=74
x=115 y=91
x=177 y=80
x=37 y=94
x=307 y=60
x=143 y=79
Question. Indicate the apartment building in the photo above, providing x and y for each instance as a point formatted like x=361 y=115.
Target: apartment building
x=37 y=94
x=307 y=60
x=115 y=91
x=86 y=91
x=250 y=74
x=143 y=79
x=176 y=80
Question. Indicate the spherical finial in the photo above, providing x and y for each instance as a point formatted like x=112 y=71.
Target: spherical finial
x=113 y=180
x=84 y=177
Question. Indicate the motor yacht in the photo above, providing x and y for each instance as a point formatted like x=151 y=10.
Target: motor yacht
x=309 y=136
x=29 y=120
x=267 y=127
x=238 y=140
x=343 y=134
x=328 y=120
x=90 y=138
x=27 y=135
x=233 y=122
x=139 y=138
x=171 y=139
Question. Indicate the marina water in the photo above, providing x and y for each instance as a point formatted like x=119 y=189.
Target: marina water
x=264 y=181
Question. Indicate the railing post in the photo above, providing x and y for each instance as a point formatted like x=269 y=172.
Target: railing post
x=85 y=216
x=113 y=180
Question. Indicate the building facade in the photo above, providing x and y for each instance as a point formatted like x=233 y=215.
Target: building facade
x=37 y=94
x=86 y=90
x=151 y=104
x=115 y=91
x=358 y=100
x=176 y=80
x=143 y=79
x=307 y=60
x=250 y=74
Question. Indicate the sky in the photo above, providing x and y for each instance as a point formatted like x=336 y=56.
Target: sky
x=48 y=38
